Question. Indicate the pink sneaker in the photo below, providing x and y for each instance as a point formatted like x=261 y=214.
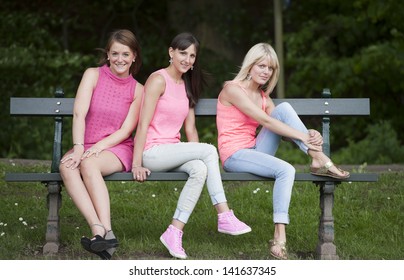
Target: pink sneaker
x=228 y=223
x=172 y=239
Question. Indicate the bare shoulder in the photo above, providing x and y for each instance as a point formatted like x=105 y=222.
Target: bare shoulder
x=156 y=78
x=155 y=82
x=231 y=87
x=231 y=91
x=91 y=75
x=92 y=71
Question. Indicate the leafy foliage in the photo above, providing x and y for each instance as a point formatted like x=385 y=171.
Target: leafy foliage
x=382 y=146
x=33 y=64
x=355 y=48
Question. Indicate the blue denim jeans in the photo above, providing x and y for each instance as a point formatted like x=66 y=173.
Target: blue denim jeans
x=261 y=160
x=200 y=161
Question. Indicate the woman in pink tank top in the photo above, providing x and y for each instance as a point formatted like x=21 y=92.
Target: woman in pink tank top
x=169 y=102
x=105 y=114
x=244 y=105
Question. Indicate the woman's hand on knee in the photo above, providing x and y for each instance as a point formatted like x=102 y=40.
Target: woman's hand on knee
x=71 y=160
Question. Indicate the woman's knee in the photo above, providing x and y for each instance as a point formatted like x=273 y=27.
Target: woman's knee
x=211 y=151
x=65 y=172
x=198 y=169
x=71 y=177
x=87 y=168
x=287 y=170
x=62 y=171
x=283 y=108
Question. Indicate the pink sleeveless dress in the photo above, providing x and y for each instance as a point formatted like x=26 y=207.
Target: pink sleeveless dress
x=109 y=107
x=171 y=110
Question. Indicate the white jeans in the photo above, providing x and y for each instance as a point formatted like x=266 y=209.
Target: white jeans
x=200 y=161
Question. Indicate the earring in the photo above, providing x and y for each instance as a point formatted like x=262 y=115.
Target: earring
x=248 y=77
x=107 y=58
x=192 y=68
x=134 y=60
x=171 y=60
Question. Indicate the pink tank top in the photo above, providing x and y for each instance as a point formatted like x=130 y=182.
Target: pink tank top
x=171 y=110
x=109 y=107
x=236 y=130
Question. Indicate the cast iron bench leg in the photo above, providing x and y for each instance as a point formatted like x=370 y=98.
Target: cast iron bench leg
x=52 y=228
x=326 y=250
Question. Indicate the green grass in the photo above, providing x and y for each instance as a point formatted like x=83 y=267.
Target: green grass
x=369 y=220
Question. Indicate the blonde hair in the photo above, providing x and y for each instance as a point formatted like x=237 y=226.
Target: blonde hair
x=257 y=53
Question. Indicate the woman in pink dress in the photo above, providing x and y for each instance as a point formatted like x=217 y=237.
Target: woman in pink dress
x=105 y=113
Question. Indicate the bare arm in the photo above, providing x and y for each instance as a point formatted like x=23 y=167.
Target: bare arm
x=190 y=127
x=153 y=89
x=270 y=106
x=315 y=136
x=82 y=103
x=80 y=110
x=233 y=95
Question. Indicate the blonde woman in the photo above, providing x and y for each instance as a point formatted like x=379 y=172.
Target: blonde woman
x=244 y=105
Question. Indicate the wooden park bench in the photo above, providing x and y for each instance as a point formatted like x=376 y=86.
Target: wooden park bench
x=326 y=107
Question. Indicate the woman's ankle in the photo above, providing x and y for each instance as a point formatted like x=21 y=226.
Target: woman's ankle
x=98 y=229
x=319 y=159
x=222 y=207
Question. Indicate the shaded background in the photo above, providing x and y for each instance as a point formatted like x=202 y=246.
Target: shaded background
x=353 y=47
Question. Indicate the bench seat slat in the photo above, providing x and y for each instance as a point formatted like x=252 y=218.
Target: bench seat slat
x=181 y=176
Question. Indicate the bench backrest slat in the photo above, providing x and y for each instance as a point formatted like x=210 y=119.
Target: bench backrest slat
x=23 y=106
x=206 y=107
x=306 y=106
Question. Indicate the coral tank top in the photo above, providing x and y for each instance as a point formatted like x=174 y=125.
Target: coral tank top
x=236 y=130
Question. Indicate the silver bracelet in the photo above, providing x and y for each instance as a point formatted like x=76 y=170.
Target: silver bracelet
x=74 y=144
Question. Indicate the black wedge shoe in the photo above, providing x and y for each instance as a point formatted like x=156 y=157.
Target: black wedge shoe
x=86 y=244
x=99 y=243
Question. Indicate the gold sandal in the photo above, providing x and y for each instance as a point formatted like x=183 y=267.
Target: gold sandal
x=282 y=245
x=325 y=171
